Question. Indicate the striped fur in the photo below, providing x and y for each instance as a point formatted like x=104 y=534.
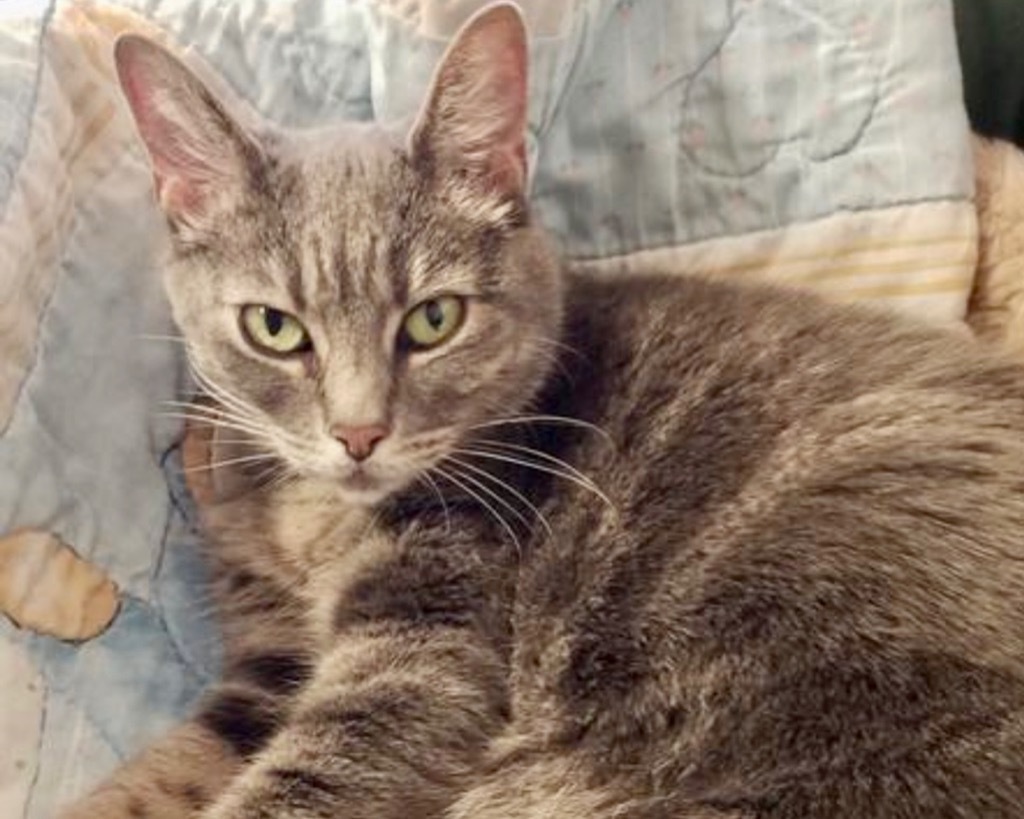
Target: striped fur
x=750 y=556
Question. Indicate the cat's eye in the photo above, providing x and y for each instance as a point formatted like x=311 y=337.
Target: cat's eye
x=273 y=330
x=432 y=322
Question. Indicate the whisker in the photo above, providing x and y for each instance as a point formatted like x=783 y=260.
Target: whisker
x=488 y=491
x=245 y=459
x=583 y=483
x=274 y=476
x=225 y=399
x=224 y=395
x=444 y=504
x=209 y=411
x=222 y=423
x=196 y=404
x=260 y=423
x=284 y=476
x=537 y=453
x=504 y=523
x=219 y=410
x=212 y=409
x=545 y=419
x=483 y=473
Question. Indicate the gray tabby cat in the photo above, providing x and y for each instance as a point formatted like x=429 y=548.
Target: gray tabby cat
x=785 y=579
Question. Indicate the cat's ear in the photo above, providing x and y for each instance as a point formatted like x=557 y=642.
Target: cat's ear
x=197 y=151
x=474 y=120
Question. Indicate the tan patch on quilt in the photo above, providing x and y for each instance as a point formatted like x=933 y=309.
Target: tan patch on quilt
x=46 y=587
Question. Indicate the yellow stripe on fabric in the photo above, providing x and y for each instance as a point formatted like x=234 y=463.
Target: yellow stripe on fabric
x=823 y=275
x=949 y=284
x=780 y=258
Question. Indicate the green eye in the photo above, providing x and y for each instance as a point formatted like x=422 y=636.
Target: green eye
x=433 y=322
x=274 y=330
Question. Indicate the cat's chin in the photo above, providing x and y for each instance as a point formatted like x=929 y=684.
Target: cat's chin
x=362 y=497
x=362 y=490
x=361 y=486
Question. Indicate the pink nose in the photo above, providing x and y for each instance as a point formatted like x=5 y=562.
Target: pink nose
x=360 y=441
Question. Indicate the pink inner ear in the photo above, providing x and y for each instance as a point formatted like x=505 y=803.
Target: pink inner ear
x=179 y=175
x=476 y=114
x=508 y=164
x=177 y=196
x=507 y=169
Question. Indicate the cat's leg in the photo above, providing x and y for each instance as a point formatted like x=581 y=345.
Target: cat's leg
x=401 y=711
x=181 y=774
x=173 y=779
x=561 y=784
x=266 y=660
x=264 y=666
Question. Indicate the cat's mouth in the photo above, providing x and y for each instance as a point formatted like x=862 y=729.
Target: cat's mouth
x=360 y=481
x=365 y=483
x=363 y=488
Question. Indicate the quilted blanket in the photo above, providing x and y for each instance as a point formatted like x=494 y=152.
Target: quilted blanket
x=812 y=141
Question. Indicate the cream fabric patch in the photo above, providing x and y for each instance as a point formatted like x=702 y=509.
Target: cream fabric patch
x=916 y=259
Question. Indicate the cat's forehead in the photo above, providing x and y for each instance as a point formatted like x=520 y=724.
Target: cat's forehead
x=363 y=225
x=349 y=165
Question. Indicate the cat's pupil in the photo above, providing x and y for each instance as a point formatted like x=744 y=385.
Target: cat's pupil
x=435 y=314
x=274 y=320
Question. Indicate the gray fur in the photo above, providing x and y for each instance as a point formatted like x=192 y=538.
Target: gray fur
x=780 y=574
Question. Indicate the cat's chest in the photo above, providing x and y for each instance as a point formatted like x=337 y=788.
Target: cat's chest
x=327 y=546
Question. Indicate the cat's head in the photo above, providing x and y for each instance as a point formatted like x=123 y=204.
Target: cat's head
x=357 y=306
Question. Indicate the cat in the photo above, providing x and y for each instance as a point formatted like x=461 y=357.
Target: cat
x=495 y=539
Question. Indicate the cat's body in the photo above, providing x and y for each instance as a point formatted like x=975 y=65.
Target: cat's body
x=780 y=575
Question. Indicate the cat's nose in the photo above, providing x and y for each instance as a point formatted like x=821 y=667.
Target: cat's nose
x=360 y=441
